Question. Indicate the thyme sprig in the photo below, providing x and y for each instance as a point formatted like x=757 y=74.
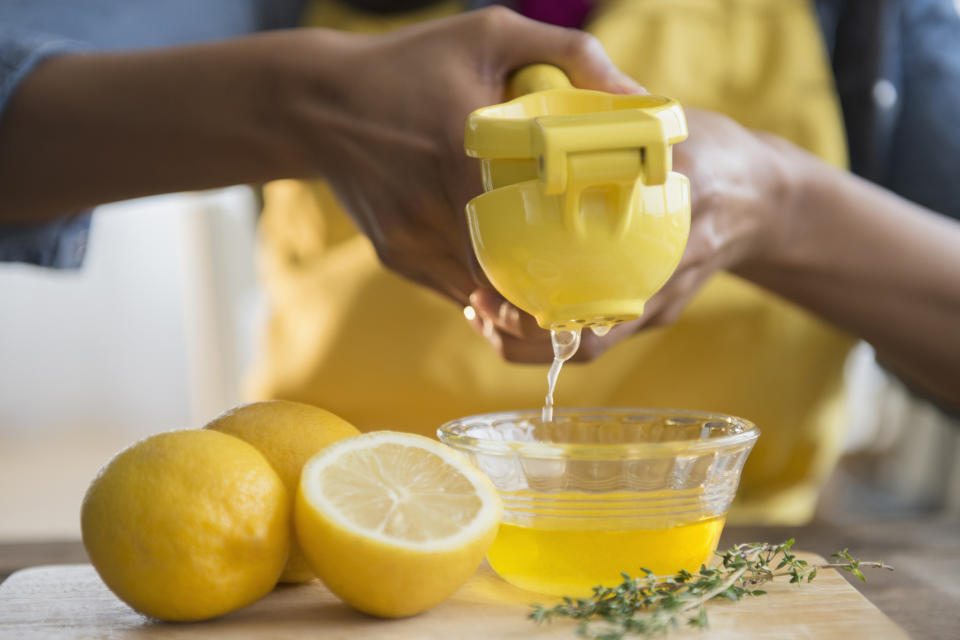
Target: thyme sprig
x=655 y=605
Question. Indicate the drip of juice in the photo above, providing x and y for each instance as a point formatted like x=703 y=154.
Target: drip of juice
x=571 y=561
x=565 y=344
x=601 y=330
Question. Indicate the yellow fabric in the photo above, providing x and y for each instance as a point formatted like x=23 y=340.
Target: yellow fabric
x=362 y=342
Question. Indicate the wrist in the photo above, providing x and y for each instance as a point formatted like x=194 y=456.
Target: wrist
x=313 y=84
x=800 y=207
x=781 y=202
x=278 y=69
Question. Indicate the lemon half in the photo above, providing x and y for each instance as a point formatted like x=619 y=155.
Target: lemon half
x=394 y=523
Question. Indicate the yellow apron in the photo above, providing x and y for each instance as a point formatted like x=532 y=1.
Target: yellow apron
x=348 y=335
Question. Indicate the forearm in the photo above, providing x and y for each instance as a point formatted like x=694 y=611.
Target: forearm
x=879 y=266
x=91 y=128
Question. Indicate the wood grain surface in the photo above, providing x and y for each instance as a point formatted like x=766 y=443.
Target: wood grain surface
x=70 y=601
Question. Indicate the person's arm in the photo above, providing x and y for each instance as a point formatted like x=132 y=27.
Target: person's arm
x=89 y=128
x=875 y=264
x=872 y=263
x=380 y=117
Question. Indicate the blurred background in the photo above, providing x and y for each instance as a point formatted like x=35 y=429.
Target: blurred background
x=157 y=329
x=152 y=334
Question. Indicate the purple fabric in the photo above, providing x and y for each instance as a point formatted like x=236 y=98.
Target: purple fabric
x=563 y=13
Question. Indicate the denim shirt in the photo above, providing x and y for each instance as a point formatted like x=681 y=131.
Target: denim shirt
x=897 y=65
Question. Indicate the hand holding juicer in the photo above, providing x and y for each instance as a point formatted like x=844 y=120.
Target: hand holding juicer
x=582 y=219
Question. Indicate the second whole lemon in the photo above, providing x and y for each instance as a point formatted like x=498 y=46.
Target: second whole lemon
x=287 y=434
x=187 y=525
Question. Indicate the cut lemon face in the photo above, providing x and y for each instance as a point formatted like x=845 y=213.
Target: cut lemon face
x=394 y=523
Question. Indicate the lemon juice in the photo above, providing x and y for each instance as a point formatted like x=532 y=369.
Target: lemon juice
x=565 y=344
x=570 y=561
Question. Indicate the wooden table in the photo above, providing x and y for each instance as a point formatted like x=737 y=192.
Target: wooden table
x=922 y=595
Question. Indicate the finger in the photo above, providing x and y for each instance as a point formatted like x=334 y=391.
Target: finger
x=504 y=315
x=686 y=278
x=452 y=278
x=410 y=247
x=442 y=273
x=512 y=349
x=525 y=350
x=521 y=41
x=487 y=331
x=466 y=188
x=486 y=302
x=673 y=299
x=475 y=321
x=539 y=350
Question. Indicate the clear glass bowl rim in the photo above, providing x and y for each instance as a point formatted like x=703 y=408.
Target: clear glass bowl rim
x=747 y=436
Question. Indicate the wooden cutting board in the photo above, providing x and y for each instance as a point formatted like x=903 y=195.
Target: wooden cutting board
x=70 y=601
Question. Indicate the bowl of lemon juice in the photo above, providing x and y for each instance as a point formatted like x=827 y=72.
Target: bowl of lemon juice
x=592 y=493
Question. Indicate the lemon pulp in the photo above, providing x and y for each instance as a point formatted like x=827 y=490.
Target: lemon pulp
x=571 y=561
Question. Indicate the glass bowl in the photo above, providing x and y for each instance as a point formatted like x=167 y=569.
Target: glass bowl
x=597 y=492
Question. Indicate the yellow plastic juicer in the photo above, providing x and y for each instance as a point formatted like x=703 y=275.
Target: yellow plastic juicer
x=582 y=219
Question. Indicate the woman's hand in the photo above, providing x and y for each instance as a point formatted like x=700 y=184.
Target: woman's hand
x=386 y=114
x=739 y=192
x=738 y=189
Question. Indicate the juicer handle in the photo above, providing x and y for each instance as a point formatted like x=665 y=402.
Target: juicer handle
x=536 y=77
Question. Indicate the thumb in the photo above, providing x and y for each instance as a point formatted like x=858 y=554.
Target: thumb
x=520 y=41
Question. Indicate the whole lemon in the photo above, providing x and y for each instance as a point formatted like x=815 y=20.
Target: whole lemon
x=287 y=434
x=187 y=525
